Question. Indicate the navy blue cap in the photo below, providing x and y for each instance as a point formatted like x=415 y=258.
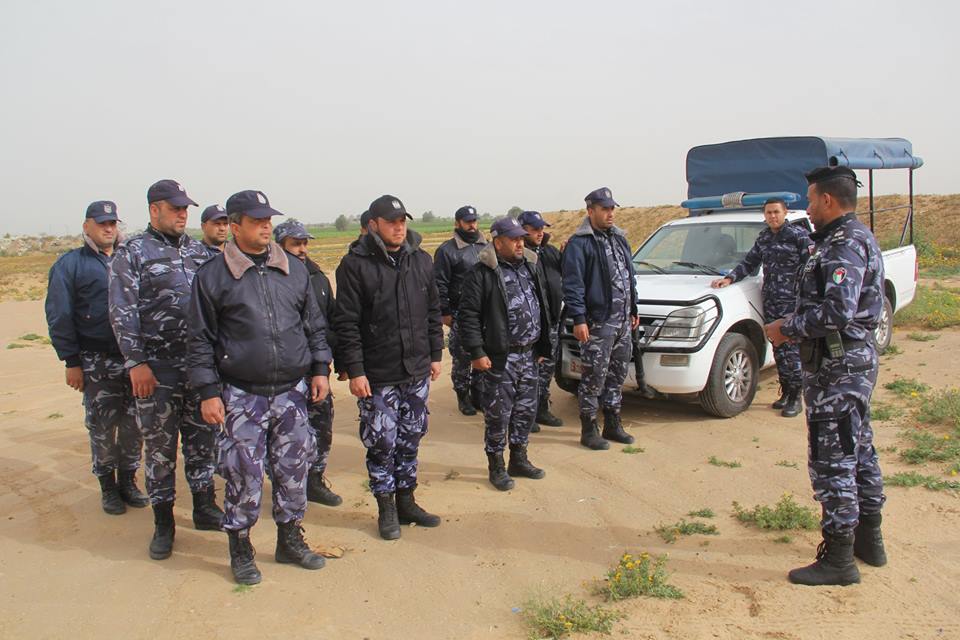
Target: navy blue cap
x=388 y=208
x=253 y=204
x=602 y=197
x=213 y=212
x=507 y=227
x=365 y=218
x=533 y=218
x=102 y=211
x=171 y=191
x=467 y=214
x=822 y=174
x=291 y=229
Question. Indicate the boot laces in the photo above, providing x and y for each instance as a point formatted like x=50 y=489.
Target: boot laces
x=822 y=550
x=295 y=538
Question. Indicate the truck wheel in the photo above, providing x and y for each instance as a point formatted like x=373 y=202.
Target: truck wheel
x=733 y=377
x=883 y=334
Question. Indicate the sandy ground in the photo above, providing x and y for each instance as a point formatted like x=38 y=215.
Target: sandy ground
x=69 y=570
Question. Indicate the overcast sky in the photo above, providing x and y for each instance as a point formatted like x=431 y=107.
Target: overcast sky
x=325 y=106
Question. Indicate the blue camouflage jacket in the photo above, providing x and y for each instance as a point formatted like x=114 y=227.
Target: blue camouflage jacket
x=781 y=254
x=150 y=280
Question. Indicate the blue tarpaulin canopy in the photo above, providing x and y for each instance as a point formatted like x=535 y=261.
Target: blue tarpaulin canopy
x=779 y=164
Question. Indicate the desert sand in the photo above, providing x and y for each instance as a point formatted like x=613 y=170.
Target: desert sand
x=67 y=570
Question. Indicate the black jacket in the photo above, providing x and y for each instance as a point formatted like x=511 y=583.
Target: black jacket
x=256 y=328
x=549 y=260
x=323 y=292
x=587 y=287
x=482 y=317
x=451 y=262
x=387 y=320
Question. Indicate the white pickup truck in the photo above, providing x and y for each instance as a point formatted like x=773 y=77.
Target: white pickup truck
x=708 y=344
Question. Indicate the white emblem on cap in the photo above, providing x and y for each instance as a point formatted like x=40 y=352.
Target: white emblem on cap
x=262 y=198
x=219 y=208
x=470 y=210
x=396 y=204
x=606 y=193
x=180 y=186
x=107 y=208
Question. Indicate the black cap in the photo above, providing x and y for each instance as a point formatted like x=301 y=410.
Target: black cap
x=602 y=197
x=388 y=208
x=822 y=174
x=253 y=204
x=467 y=214
x=507 y=227
x=365 y=218
x=291 y=229
x=102 y=211
x=213 y=212
x=171 y=191
x=532 y=218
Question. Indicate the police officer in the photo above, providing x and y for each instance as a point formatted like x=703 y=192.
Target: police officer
x=504 y=320
x=451 y=262
x=781 y=249
x=77 y=318
x=600 y=294
x=293 y=237
x=548 y=258
x=390 y=342
x=839 y=301
x=214 y=225
x=150 y=279
x=256 y=333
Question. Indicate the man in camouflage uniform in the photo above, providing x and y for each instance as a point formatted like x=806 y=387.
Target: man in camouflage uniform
x=76 y=309
x=390 y=341
x=214 y=225
x=451 y=261
x=840 y=297
x=781 y=249
x=257 y=356
x=548 y=259
x=150 y=280
x=600 y=294
x=504 y=320
x=293 y=237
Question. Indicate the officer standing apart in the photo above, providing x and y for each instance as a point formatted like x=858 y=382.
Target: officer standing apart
x=548 y=257
x=256 y=333
x=293 y=237
x=150 y=279
x=452 y=260
x=600 y=294
x=503 y=318
x=214 y=225
x=390 y=341
x=79 y=327
x=781 y=249
x=839 y=301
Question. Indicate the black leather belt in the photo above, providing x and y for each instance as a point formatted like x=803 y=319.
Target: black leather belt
x=520 y=348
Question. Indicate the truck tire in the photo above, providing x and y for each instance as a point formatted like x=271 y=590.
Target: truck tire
x=883 y=334
x=733 y=377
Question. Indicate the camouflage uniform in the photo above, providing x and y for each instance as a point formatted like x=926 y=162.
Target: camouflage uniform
x=841 y=290
x=111 y=419
x=150 y=279
x=781 y=254
x=392 y=422
x=320 y=417
x=261 y=430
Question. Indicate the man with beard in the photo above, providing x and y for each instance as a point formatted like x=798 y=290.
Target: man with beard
x=214 y=225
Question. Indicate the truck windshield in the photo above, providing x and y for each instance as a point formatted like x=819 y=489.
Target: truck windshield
x=702 y=248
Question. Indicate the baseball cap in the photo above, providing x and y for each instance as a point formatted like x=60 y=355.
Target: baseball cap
x=171 y=191
x=388 y=208
x=466 y=213
x=507 y=227
x=602 y=197
x=365 y=218
x=213 y=212
x=532 y=218
x=253 y=204
x=291 y=229
x=102 y=211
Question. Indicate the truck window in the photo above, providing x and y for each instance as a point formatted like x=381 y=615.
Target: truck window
x=717 y=245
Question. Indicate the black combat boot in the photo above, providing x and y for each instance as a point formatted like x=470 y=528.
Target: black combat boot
x=110 y=498
x=834 y=564
x=409 y=512
x=794 y=404
x=868 y=541
x=465 y=403
x=241 y=558
x=781 y=402
x=318 y=490
x=498 y=472
x=545 y=417
x=129 y=491
x=589 y=434
x=207 y=516
x=387 y=520
x=163 y=532
x=293 y=549
x=613 y=428
x=520 y=466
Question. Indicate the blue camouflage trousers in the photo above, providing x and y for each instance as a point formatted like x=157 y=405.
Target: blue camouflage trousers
x=842 y=460
x=787 y=355
x=320 y=417
x=174 y=411
x=392 y=422
x=259 y=432
x=547 y=366
x=460 y=370
x=111 y=416
x=604 y=359
x=509 y=401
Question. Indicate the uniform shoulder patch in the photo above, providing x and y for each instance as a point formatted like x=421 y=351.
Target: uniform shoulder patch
x=839 y=275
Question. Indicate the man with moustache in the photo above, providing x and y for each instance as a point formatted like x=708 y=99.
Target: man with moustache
x=214 y=225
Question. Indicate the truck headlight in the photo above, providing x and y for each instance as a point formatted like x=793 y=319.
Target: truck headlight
x=688 y=324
